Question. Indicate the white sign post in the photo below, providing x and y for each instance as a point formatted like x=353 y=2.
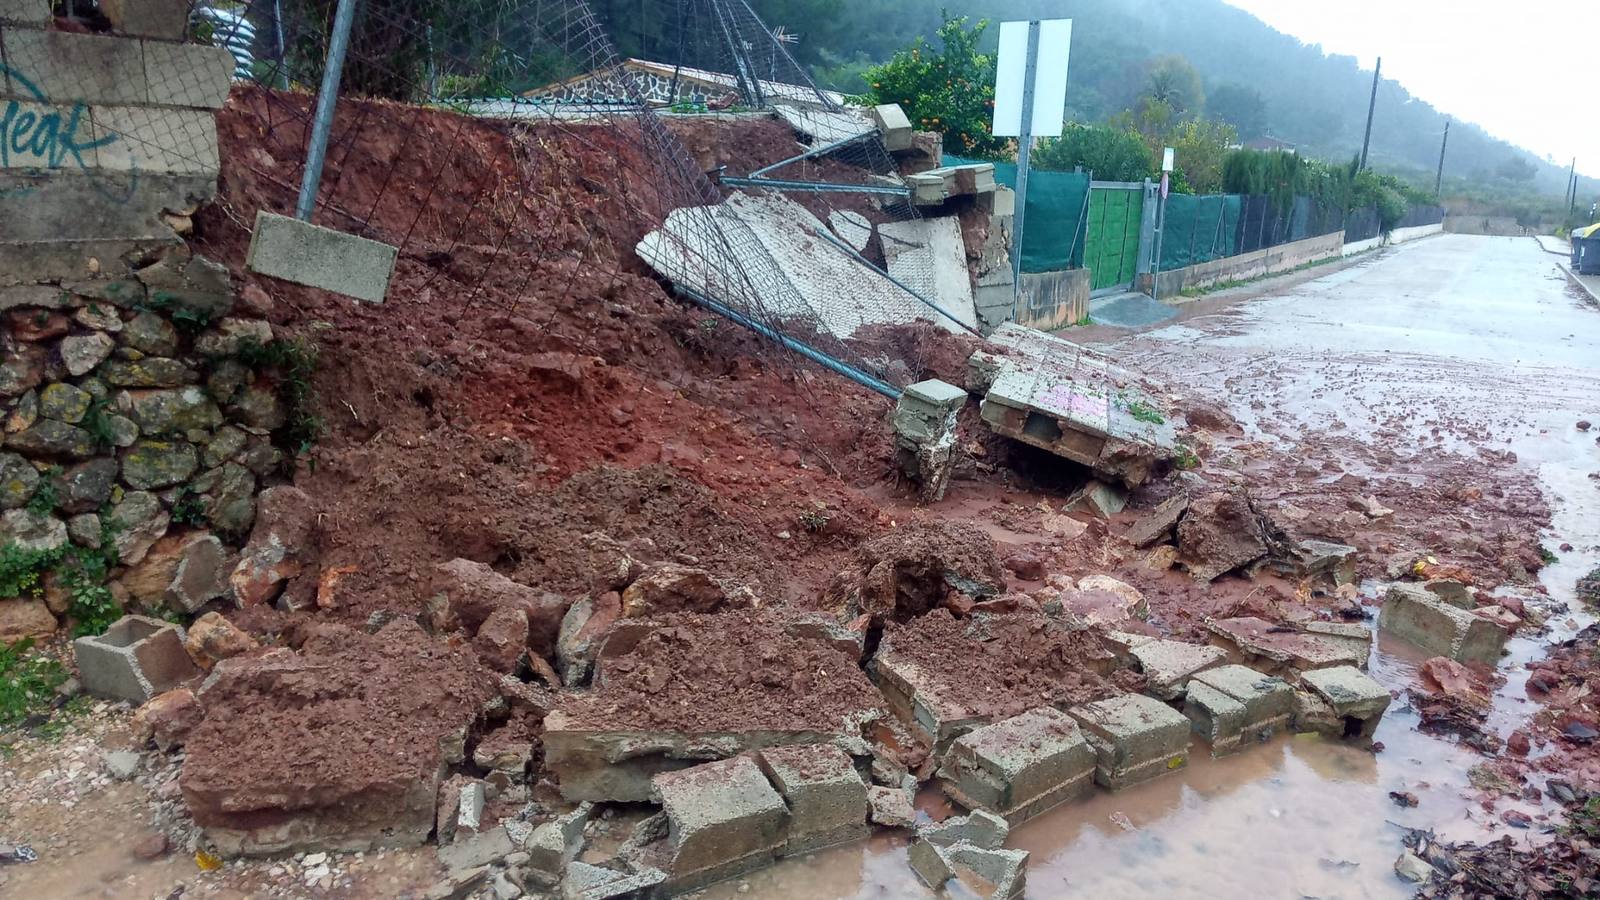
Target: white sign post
x=1030 y=93
x=1161 y=222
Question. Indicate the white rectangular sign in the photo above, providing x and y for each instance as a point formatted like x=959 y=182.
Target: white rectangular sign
x=1049 y=78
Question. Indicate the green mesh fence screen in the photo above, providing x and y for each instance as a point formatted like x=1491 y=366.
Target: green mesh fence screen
x=1199 y=229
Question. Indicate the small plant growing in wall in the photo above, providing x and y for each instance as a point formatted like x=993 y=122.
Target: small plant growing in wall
x=295 y=362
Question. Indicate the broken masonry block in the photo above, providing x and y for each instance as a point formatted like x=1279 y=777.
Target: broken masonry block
x=1158 y=523
x=979 y=828
x=1418 y=616
x=826 y=797
x=724 y=819
x=1003 y=871
x=589 y=882
x=1233 y=705
x=1021 y=766
x=1168 y=665
x=890 y=807
x=477 y=850
x=1135 y=738
x=892 y=124
x=557 y=842
x=1099 y=499
x=1278 y=649
x=925 y=434
x=1354 y=637
x=318 y=257
x=135 y=659
x=928 y=862
x=1357 y=701
x=918 y=700
x=1313 y=558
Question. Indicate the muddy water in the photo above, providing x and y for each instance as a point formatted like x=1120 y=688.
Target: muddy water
x=1454 y=342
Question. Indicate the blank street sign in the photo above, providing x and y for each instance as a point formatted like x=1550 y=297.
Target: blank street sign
x=1049 y=81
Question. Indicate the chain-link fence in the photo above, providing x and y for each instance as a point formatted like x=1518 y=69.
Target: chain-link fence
x=461 y=126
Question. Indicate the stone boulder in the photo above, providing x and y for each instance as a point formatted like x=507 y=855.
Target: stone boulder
x=212 y=638
x=279 y=547
x=475 y=592
x=1222 y=531
x=670 y=587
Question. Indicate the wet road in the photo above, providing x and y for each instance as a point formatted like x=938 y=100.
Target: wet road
x=1454 y=342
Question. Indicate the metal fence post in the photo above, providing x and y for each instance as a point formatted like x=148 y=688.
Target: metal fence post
x=327 y=99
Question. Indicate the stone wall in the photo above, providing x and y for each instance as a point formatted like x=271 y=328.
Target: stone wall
x=140 y=411
x=107 y=141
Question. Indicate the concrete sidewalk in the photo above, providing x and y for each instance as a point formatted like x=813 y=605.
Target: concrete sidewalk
x=1589 y=284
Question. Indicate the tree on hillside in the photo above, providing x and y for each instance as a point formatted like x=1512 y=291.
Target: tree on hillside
x=950 y=91
x=1199 y=147
x=1173 y=81
x=1239 y=106
x=1111 y=154
x=1516 y=168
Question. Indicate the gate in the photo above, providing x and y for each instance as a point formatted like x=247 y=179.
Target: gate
x=1111 y=239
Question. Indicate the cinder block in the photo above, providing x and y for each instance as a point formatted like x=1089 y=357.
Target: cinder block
x=321 y=257
x=892 y=124
x=164 y=19
x=979 y=828
x=724 y=819
x=557 y=842
x=1020 y=767
x=189 y=75
x=137 y=658
x=917 y=701
x=63 y=67
x=1168 y=665
x=148 y=139
x=1357 y=701
x=1419 y=616
x=1264 y=705
x=25 y=12
x=1135 y=738
x=1005 y=201
x=1004 y=870
x=827 y=798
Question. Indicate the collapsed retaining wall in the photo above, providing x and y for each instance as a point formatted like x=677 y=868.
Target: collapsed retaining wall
x=1267 y=261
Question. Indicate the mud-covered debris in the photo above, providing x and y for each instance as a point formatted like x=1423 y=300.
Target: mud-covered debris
x=890 y=807
x=475 y=592
x=674 y=588
x=1223 y=531
x=212 y=638
x=168 y=719
x=1156 y=524
x=1589 y=587
x=1564 y=866
x=279 y=548
x=1454 y=698
x=917 y=568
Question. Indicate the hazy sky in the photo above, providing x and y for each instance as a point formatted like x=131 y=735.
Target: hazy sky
x=1509 y=67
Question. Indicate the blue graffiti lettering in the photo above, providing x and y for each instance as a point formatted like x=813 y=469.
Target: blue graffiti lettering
x=51 y=139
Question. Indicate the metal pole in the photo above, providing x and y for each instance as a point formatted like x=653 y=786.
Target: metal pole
x=1439 y=178
x=327 y=99
x=1161 y=226
x=283 y=65
x=1572 y=187
x=1371 y=105
x=1024 y=149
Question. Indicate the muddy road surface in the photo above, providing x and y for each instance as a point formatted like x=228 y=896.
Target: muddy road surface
x=1409 y=365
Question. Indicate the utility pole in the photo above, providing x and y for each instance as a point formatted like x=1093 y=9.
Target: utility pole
x=1371 y=105
x=1572 y=186
x=1439 y=178
x=1030 y=70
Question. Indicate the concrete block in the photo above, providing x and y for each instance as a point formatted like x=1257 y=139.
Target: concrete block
x=1356 y=700
x=1003 y=872
x=979 y=828
x=63 y=67
x=147 y=139
x=137 y=658
x=890 y=807
x=164 y=19
x=1135 y=738
x=588 y=882
x=917 y=700
x=63 y=216
x=477 y=850
x=1312 y=715
x=188 y=75
x=1005 y=201
x=557 y=842
x=1419 y=616
x=25 y=12
x=1234 y=706
x=892 y=124
x=1168 y=665
x=937 y=394
x=827 y=798
x=928 y=862
x=321 y=257
x=1354 y=637
x=1021 y=766
x=724 y=819
x=45 y=136
x=1157 y=523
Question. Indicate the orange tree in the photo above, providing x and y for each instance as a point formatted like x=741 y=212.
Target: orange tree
x=950 y=91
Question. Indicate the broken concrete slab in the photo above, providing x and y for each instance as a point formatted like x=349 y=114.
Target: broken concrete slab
x=303 y=253
x=1277 y=648
x=589 y=882
x=477 y=850
x=1234 y=706
x=1135 y=738
x=1021 y=766
x=1003 y=873
x=1358 y=702
x=930 y=257
x=1073 y=402
x=135 y=659
x=1221 y=531
x=851 y=227
x=724 y=818
x=1158 y=523
x=920 y=700
x=934 y=187
x=798 y=275
x=928 y=861
x=1313 y=558
x=826 y=797
x=557 y=842
x=979 y=828
x=1419 y=616
x=1168 y=665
